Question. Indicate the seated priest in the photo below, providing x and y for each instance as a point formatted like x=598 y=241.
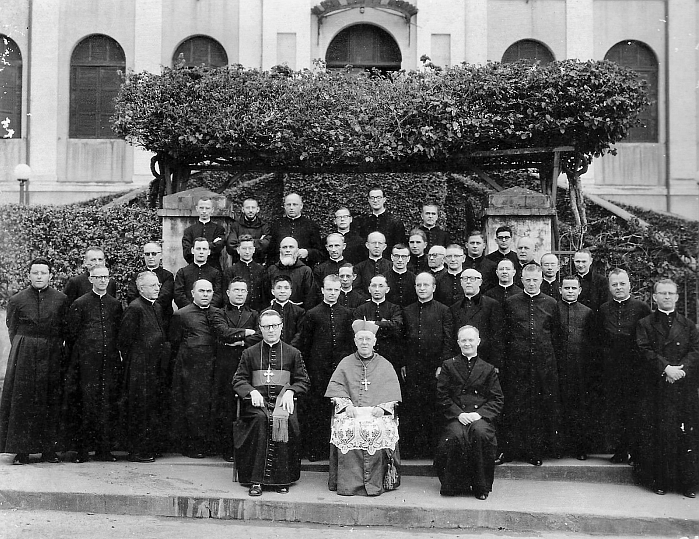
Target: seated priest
x=269 y=375
x=364 y=389
x=470 y=400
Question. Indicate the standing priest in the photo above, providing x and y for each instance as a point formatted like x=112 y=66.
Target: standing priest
x=269 y=375
x=470 y=400
x=364 y=458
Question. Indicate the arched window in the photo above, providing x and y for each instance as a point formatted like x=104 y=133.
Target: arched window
x=639 y=57
x=94 y=83
x=528 y=49
x=200 y=50
x=10 y=89
x=364 y=46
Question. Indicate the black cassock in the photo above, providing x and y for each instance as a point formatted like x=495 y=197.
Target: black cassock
x=530 y=376
x=193 y=379
x=146 y=353
x=259 y=458
x=466 y=453
x=31 y=399
x=670 y=441
x=573 y=340
x=94 y=373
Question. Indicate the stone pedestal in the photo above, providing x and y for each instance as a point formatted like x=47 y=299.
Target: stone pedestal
x=527 y=213
x=179 y=212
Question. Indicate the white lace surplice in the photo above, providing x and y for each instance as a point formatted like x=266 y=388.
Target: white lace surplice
x=364 y=431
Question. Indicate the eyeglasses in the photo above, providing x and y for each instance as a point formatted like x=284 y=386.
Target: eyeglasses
x=503 y=238
x=453 y=257
x=434 y=255
x=100 y=277
x=375 y=198
x=270 y=326
x=342 y=216
x=400 y=256
x=151 y=254
x=471 y=279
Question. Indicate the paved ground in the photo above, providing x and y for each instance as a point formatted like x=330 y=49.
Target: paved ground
x=18 y=524
x=180 y=487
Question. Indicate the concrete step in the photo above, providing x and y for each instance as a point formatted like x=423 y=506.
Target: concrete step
x=596 y=469
x=175 y=486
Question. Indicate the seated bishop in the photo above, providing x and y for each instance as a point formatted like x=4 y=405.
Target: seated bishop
x=364 y=389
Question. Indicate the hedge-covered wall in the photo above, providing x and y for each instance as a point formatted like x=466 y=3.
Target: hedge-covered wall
x=62 y=233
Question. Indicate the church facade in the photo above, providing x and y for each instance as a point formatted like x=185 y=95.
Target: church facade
x=61 y=63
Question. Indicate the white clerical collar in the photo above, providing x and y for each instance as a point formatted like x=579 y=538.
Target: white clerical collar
x=506 y=285
x=378 y=302
x=458 y=272
x=338 y=261
x=280 y=303
x=405 y=270
x=378 y=213
x=200 y=265
x=152 y=301
x=204 y=222
x=270 y=344
x=532 y=296
x=330 y=304
x=246 y=262
x=582 y=275
x=201 y=306
x=375 y=259
x=505 y=253
x=428 y=227
x=152 y=270
x=622 y=300
x=346 y=291
x=293 y=218
x=666 y=312
x=551 y=281
x=98 y=294
x=569 y=302
x=437 y=270
x=425 y=300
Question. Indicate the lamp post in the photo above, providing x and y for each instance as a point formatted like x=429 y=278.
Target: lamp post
x=22 y=173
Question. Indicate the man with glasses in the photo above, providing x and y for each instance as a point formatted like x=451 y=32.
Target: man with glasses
x=449 y=289
x=434 y=234
x=145 y=350
x=503 y=238
x=295 y=225
x=94 y=371
x=152 y=256
x=270 y=374
x=401 y=282
x=435 y=260
x=669 y=344
x=484 y=313
x=350 y=296
x=381 y=220
x=80 y=284
x=354 y=251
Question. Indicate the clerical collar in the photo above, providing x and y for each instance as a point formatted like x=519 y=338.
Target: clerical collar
x=473 y=298
x=437 y=270
x=405 y=270
x=204 y=222
x=293 y=218
x=474 y=258
x=280 y=303
x=329 y=304
x=505 y=253
x=569 y=302
x=201 y=307
x=551 y=281
x=200 y=265
x=375 y=259
x=98 y=294
x=378 y=302
x=372 y=356
x=469 y=358
x=506 y=285
x=152 y=270
x=458 y=272
x=246 y=262
x=338 y=261
x=428 y=227
x=346 y=291
x=583 y=275
x=272 y=344
x=424 y=301
x=620 y=301
x=668 y=313
x=532 y=296
x=239 y=307
x=152 y=301
x=373 y=212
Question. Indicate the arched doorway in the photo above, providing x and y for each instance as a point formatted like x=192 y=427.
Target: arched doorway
x=364 y=46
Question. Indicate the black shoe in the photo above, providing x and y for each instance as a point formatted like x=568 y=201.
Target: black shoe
x=620 y=458
x=51 y=457
x=581 y=456
x=81 y=457
x=314 y=457
x=535 y=461
x=659 y=491
x=481 y=495
x=138 y=457
x=502 y=458
x=689 y=493
x=229 y=458
x=21 y=458
x=196 y=455
x=255 y=490
x=283 y=490
x=105 y=457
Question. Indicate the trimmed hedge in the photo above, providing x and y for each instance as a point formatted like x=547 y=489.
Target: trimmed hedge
x=61 y=233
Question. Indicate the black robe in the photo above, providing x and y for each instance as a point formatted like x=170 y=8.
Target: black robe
x=255 y=276
x=193 y=379
x=326 y=337
x=352 y=299
x=260 y=236
x=668 y=453
x=617 y=401
x=486 y=267
x=292 y=316
x=485 y=314
x=303 y=285
x=435 y=236
x=368 y=269
x=530 y=376
x=304 y=231
x=229 y=325
x=187 y=276
x=595 y=290
x=386 y=223
x=211 y=231
x=355 y=247
x=80 y=285
x=401 y=288
x=94 y=373
x=165 y=296
x=389 y=318
x=449 y=289
x=501 y=293
x=466 y=453
x=260 y=459
x=573 y=340
x=428 y=341
x=30 y=407
x=552 y=288
x=145 y=349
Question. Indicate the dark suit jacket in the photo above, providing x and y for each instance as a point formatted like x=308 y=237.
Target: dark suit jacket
x=486 y=315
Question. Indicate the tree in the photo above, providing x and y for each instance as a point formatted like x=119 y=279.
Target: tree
x=319 y=120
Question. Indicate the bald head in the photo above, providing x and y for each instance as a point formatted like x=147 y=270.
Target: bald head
x=293 y=205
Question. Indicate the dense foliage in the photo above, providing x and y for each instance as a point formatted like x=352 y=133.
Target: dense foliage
x=313 y=119
x=62 y=233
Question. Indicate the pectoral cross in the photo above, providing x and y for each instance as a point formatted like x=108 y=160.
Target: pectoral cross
x=268 y=374
x=366 y=383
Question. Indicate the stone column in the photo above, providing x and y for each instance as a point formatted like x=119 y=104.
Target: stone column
x=179 y=212
x=527 y=213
